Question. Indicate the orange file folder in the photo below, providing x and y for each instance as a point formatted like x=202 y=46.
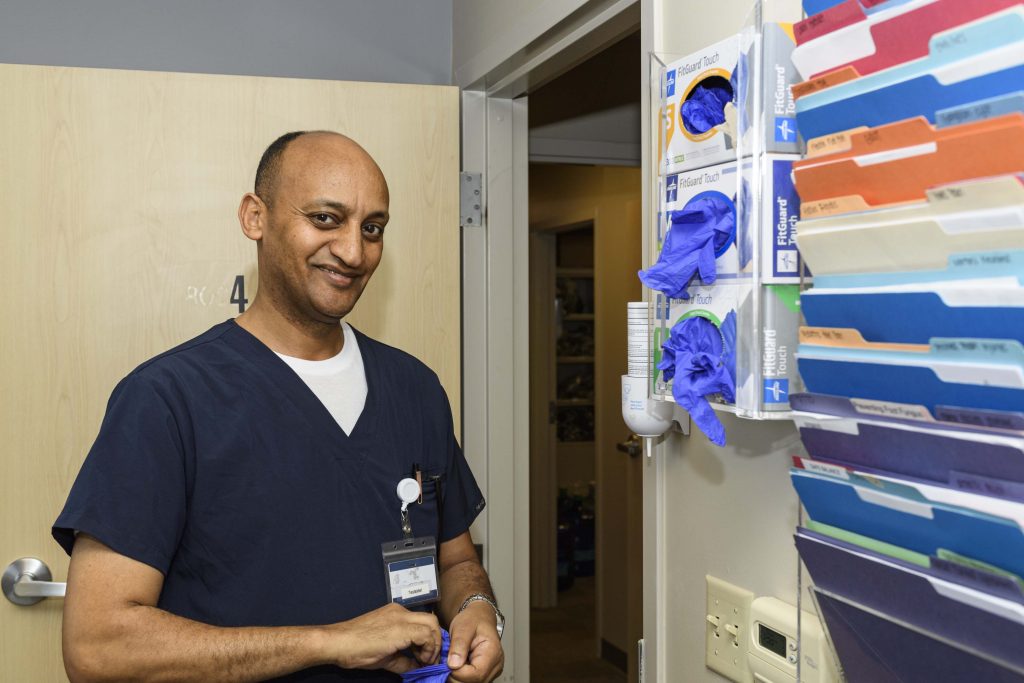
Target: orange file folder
x=897 y=163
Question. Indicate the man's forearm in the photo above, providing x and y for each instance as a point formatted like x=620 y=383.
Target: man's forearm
x=148 y=644
x=458 y=582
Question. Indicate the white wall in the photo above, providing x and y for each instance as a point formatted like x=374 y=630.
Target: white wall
x=730 y=511
x=393 y=41
x=486 y=33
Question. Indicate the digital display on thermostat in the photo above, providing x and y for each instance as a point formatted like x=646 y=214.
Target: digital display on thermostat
x=771 y=640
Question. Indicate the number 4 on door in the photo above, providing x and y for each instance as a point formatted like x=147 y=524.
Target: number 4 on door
x=238 y=293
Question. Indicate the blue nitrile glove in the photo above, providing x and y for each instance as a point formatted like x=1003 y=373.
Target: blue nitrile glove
x=696 y=233
x=744 y=238
x=740 y=82
x=705 y=109
x=435 y=673
x=692 y=357
x=728 y=330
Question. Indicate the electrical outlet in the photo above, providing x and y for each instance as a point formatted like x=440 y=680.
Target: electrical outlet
x=727 y=625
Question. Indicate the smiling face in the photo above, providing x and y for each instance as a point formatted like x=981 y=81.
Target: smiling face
x=322 y=231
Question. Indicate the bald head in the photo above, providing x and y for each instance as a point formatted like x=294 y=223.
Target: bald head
x=301 y=144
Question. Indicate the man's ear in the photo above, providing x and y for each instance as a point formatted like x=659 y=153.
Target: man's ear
x=252 y=216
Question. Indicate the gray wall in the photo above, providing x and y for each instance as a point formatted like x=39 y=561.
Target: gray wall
x=397 y=41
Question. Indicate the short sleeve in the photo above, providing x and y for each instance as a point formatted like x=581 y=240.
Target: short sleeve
x=462 y=499
x=132 y=489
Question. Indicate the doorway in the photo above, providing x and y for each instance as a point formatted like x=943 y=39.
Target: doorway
x=584 y=253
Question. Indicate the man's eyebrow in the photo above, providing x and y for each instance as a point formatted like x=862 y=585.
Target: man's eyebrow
x=340 y=207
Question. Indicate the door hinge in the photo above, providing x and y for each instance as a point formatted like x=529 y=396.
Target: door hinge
x=641 y=662
x=470 y=199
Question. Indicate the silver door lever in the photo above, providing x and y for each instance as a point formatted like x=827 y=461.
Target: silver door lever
x=27 y=581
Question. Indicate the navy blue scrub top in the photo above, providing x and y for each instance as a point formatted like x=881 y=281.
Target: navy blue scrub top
x=216 y=465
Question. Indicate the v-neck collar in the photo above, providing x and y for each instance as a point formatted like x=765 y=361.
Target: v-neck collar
x=299 y=393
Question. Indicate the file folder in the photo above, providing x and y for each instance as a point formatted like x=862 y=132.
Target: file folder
x=961 y=606
x=896 y=514
x=899 y=162
x=929 y=492
x=959 y=419
x=991 y=308
x=969 y=460
x=925 y=376
x=875 y=648
x=814 y=7
x=981 y=61
x=845 y=37
x=977 y=215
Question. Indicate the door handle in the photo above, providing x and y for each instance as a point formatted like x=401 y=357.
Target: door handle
x=631 y=446
x=27 y=581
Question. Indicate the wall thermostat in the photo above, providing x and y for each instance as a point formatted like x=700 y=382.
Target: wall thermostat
x=773 y=649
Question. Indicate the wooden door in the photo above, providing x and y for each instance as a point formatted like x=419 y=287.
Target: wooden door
x=118 y=239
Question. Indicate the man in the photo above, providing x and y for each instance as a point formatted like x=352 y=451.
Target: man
x=228 y=522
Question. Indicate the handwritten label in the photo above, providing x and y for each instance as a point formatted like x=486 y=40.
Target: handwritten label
x=833 y=206
x=829 y=20
x=981 y=418
x=830 y=334
x=982 y=259
x=986 y=486
x=994 y=582
x=949 y=41
x=997 y=349
x=947 y=193
x=830 y=144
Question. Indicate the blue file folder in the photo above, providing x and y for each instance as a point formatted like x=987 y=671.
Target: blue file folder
x=948 y=600
x=921 y=379
x=979 y=62
x=893 y=513
x=915 y=317
x=877 y=649
x=972 y=460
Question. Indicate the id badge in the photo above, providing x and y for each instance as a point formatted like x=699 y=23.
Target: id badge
x=410 y=566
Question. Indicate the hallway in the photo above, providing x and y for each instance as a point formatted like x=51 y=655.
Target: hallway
x=563 y=647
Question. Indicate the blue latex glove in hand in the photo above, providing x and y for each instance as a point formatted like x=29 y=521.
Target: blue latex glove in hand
x=696 y=233
x=694 y=357
x=705 y=109
x=434 y=673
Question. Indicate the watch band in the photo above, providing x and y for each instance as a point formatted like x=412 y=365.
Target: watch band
x=480 y=597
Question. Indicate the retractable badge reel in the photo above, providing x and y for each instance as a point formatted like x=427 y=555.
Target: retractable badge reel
x=411 y=563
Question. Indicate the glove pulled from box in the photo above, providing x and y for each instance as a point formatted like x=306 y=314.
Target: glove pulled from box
x=697 y=234
x=699 y=359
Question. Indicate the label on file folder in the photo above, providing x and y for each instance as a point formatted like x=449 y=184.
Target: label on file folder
x=904 y=411
x=981 y=574
x=986 y=486
x=993 y=419
x=822 y=468
x=978 y=111
x=999 y=350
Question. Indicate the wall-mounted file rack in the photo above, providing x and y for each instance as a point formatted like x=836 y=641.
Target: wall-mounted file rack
x=739 y=164
x=912 y=191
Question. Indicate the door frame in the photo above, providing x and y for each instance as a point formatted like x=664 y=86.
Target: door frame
x=495 y=297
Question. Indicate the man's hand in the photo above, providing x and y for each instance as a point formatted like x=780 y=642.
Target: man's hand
x=377 y=639
x=475 y=655
x=113 y=631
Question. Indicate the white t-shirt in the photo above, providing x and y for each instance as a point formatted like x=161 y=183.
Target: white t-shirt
x=339 y=382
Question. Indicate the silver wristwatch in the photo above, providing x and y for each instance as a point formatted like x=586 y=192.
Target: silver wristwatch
x=480 y=597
